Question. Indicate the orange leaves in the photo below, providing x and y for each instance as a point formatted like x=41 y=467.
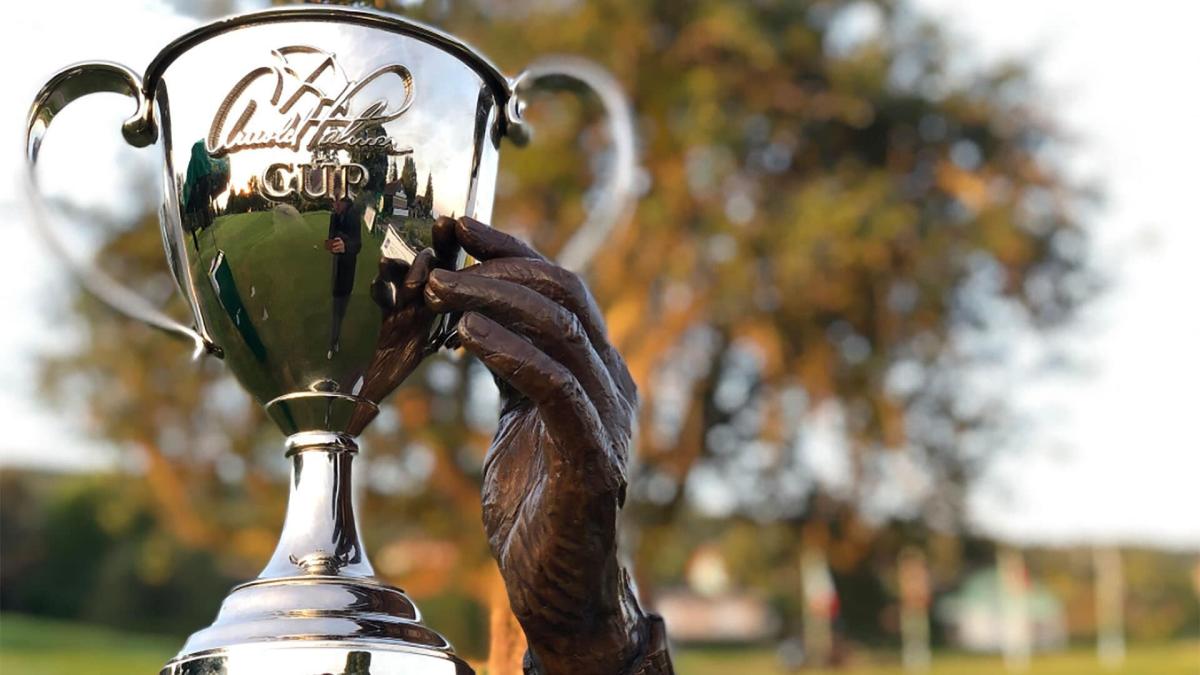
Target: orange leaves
x=769 y=343
x=967 y=187
x=727 y=28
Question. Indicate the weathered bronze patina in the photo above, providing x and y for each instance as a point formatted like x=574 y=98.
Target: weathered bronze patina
x=554 y=478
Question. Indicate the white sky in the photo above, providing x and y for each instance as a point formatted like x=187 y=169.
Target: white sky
x=1113 y=454
x=1120 y=460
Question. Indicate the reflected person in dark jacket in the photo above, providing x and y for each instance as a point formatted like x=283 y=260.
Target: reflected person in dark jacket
x=207 y=177
x=344 y=242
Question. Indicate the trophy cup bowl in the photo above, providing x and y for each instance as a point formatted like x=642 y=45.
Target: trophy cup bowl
x=308 y=152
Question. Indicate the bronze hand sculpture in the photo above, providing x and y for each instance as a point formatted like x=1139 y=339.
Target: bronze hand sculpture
x=554 y=477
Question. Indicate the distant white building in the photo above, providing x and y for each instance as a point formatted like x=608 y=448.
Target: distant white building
x=710 y=611
x=734 y=618
x=400 y=205
x=980 y=615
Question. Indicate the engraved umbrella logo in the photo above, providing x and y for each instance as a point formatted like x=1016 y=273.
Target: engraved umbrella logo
x=309 y=104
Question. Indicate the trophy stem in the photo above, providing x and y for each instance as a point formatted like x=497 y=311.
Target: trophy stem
x=320 y=531
x=316 y=607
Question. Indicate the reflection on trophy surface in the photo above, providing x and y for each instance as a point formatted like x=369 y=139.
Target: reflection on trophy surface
x=308 y=152
x=309 y=144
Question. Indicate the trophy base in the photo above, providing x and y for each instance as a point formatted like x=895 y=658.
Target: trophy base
x=317 y=657
x=317 y=608
x=317 y=625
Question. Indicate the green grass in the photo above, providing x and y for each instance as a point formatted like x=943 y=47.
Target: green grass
x=1179 y=658
x=30 y=646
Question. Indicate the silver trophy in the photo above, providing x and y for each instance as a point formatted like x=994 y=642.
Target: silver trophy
x=307 y=153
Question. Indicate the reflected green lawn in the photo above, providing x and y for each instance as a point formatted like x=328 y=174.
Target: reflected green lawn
x=31 y=646
x=274 y=315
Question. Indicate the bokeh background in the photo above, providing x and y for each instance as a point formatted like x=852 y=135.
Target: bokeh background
x=907 y=294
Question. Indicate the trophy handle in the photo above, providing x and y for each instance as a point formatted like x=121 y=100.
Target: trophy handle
x=139 y=131
x=613 y=204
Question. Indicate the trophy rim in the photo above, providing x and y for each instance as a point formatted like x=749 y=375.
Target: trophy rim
x=363 y=16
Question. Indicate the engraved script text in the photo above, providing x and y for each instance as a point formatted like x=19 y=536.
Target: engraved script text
x=300 y=115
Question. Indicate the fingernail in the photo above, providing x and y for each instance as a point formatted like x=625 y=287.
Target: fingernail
x=442 y=278
x=471 y=224
x=431 y=298
x=471 y=324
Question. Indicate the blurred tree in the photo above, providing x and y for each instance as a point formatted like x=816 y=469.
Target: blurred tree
x=88 y=547
x=857 y=228
x=835 y=220
x=408 y=180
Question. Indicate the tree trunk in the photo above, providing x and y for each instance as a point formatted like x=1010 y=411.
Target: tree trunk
x=507 y=646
